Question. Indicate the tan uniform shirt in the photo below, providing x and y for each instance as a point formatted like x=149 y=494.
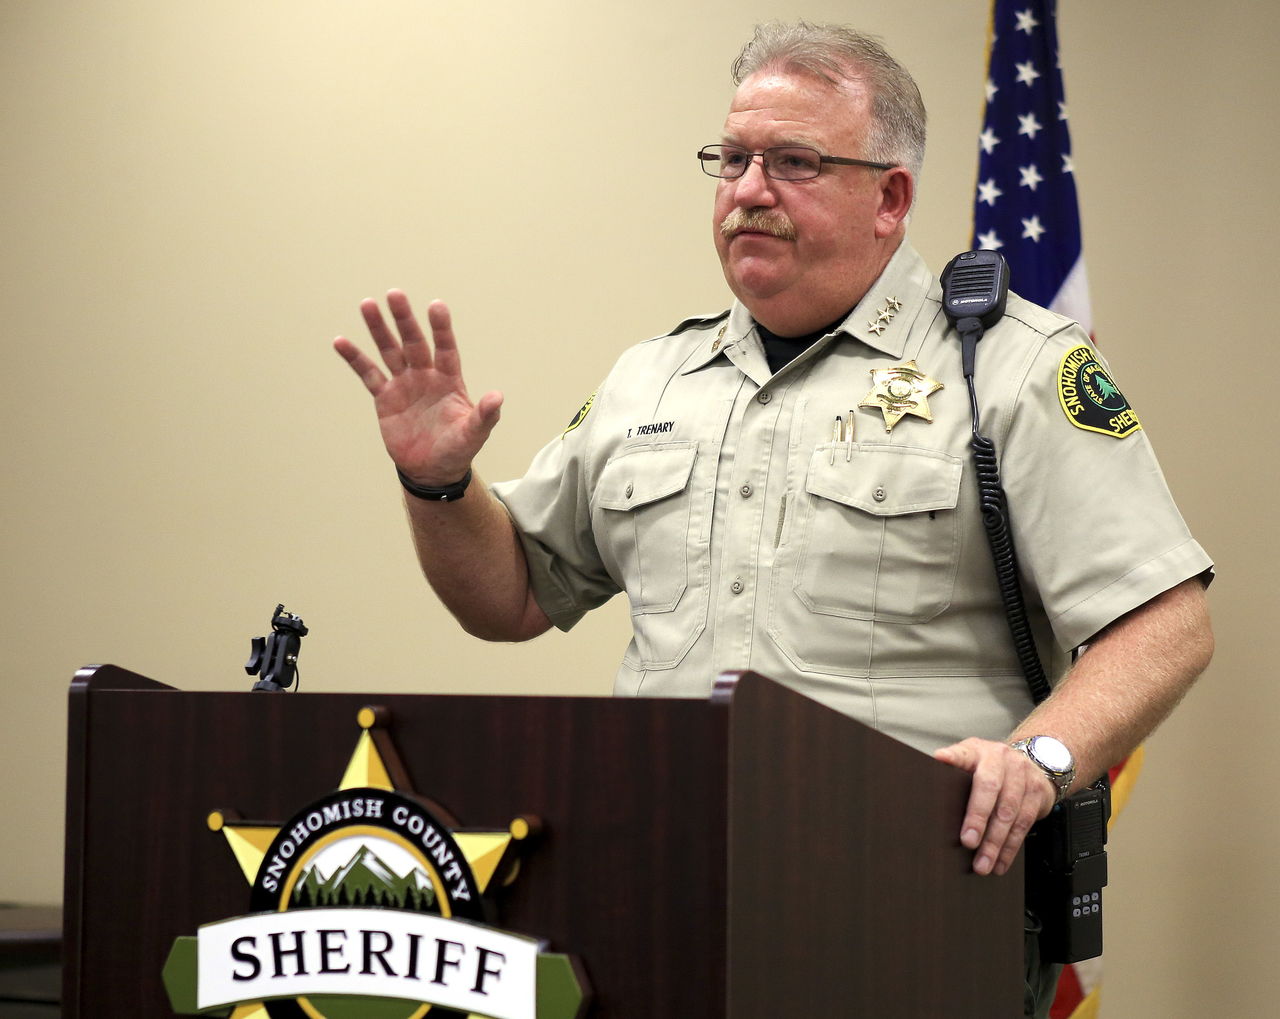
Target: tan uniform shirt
x=748 y=535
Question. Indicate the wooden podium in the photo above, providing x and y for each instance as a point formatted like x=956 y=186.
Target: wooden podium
x=755 y=855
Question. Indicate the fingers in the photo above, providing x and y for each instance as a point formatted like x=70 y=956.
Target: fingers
x=441 y=321
x=360 y=362
x=1007 y=796
x=388 y=345
x=416 y=351
x=1007 y=824
x=407 y=346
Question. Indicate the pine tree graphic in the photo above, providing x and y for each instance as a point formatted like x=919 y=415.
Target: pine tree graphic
x=365 y=881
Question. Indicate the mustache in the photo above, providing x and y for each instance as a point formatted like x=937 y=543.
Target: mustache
x=758 y=221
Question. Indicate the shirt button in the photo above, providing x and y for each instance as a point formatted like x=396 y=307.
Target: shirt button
x=736 y=587
x=764 y=397
x=879 y=495
x=745 y=490
x=630 y=488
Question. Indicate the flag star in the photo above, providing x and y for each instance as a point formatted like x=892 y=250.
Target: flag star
x=1030 y=176
x=990 y=241
x=988 y=192
x=991 y=90
x=1027 y=73
x=1031 y=229
x=988 y=141
x=1062 y=110
x=1067 y=165
x=1028 y=125
x=1026 y=21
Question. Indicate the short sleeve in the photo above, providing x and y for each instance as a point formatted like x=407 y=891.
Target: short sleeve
x=1096 y=529
x=550 y=508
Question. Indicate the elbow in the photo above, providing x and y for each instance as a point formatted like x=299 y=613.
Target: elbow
x=510 y=628
x=1205 y=646
x=499 y=632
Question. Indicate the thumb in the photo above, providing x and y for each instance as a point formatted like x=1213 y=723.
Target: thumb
x=487 y=412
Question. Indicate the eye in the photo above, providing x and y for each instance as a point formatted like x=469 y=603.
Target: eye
x=797 y=161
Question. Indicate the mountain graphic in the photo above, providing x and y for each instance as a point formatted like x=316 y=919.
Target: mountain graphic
x=365 y=880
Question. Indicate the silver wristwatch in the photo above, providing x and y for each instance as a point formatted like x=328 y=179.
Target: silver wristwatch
x=1053 y=758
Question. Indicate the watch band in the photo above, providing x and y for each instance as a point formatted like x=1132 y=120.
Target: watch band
x=444 y=493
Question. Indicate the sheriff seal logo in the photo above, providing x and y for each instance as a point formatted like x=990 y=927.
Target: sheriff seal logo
x=370 y=904
x=1090 y=398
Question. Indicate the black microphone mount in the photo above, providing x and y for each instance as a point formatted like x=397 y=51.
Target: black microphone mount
x=276 y=656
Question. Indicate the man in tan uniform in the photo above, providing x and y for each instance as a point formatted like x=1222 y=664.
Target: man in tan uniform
x=786 y=487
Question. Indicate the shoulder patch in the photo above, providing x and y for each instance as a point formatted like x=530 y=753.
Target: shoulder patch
x=1089 y=397
x=698 y=320
x=580 y=416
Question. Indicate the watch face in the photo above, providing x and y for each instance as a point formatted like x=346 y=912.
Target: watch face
x=1052 y=753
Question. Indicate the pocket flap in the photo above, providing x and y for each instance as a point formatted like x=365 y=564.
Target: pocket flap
x=645 y=474
x=886 y=480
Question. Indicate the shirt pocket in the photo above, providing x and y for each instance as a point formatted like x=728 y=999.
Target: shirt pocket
x=879 y=536
x=644 y=522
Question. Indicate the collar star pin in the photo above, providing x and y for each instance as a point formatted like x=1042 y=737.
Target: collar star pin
x=899 y=391
x=884 y=315
x=719 y=339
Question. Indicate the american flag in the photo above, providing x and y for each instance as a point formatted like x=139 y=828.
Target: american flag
x=1025 y=206
x=1026 y=209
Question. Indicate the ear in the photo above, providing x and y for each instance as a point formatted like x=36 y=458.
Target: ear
x=897 y=192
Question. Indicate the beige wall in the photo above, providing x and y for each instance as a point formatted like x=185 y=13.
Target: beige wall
x=196 y=196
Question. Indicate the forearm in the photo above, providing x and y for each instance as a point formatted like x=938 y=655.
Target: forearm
x=472 y=557
x=1132 y=675
x=432 y=430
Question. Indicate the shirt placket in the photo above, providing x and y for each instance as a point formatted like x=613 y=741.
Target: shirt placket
x=744 y=494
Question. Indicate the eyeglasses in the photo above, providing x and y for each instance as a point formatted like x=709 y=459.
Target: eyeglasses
x=781 y=162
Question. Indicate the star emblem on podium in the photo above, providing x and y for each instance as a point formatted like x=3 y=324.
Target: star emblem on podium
x=370 y=769
x=377 y=853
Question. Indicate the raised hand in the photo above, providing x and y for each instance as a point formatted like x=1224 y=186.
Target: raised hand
x=429 y=425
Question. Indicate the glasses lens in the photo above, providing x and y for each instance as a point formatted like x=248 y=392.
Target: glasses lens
x=792 y=162
x=724 y=160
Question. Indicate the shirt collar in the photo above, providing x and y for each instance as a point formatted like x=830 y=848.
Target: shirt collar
x=882 y=319
x=732 y=332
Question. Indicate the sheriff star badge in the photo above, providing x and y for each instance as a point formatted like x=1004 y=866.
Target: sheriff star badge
x=901 y=390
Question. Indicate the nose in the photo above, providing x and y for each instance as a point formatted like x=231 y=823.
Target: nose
x=755 y=188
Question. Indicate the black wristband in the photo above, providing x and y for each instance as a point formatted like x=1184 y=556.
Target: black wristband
x=446 y=493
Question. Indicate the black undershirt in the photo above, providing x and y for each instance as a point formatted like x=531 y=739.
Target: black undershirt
x=780 y=351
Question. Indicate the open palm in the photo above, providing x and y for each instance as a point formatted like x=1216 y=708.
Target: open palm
x=430 y=426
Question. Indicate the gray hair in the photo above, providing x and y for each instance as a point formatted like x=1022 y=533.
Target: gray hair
x=839 y=55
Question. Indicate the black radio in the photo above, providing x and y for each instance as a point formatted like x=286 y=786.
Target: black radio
x=1066 y=870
